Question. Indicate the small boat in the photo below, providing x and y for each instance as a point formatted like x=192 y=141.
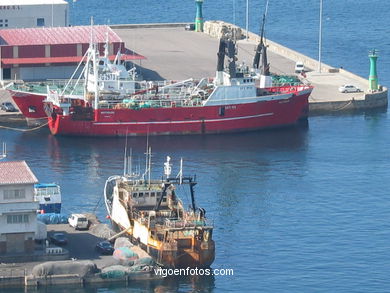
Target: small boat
x=49 y=197
x=151 y=214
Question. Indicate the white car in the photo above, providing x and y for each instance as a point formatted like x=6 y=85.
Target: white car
x=349 y=88
x=299 y=67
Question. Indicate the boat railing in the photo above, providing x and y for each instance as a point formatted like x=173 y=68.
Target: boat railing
x=41 y=87
x=163 y=101
x=186 y=223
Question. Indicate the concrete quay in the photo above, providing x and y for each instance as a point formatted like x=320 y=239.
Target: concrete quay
x=177 y=54
x=16 y=271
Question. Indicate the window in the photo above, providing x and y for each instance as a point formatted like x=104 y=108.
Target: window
x=141 y=194
x=135 y=194
x=40 y=22
x=17 y=219
x=152 y=194
x=14 y=194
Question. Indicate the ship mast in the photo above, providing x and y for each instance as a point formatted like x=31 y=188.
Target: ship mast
x=261 y=50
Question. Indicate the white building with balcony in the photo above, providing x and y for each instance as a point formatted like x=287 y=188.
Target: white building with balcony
x=18 y=210
x=33 y=13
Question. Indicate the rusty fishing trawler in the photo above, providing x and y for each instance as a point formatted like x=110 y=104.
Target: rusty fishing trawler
x=152 y=215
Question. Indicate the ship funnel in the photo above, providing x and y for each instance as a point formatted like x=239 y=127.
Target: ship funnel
x=221 y=55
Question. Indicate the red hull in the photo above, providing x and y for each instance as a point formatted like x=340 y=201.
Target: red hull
x=185 y=120
x=31 y=105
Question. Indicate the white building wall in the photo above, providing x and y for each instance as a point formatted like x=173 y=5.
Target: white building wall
x=23 y=206
x=23 y=16
x=30 y=227
x=28 y=188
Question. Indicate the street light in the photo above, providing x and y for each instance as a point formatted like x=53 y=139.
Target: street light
x=320 y=39
x=247 y=18
x=52 y=13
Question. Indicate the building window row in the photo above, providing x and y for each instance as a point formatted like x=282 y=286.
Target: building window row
x=17 y=219
x=14 y=194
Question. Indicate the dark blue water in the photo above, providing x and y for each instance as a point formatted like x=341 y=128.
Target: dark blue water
x=302 y=209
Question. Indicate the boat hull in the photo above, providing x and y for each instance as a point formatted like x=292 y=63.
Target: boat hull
x=185 y=120
x=50 y=208
x=30 y=104
x=202 y=255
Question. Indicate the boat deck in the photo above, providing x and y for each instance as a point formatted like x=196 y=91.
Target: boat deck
x=179 y=54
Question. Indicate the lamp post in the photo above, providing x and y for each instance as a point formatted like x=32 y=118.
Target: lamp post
x=52 y=13
x=320 y=39
x=234 y=11
x=247 y=19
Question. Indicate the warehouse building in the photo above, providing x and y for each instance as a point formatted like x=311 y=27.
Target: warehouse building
x=33 y=13
x=54 y=52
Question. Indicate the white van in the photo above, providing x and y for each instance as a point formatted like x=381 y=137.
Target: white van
x=299 y=67
x=78 y=221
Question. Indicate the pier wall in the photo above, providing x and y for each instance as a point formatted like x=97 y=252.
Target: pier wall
x=370 y=101
x=149 y=25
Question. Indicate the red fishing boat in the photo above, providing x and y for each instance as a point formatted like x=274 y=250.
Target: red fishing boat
x=229 y=102
x=111 y=76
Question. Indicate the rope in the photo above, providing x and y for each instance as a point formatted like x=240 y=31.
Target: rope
x=97 y=205
x=344 y=106
x=24 y=130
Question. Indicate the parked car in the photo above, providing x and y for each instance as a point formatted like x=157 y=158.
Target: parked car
x=190 y=27
x=104 y=247
x=78 y=221
x=8 y=107
x=299 y=67
x=58 y=239
x=349 y=88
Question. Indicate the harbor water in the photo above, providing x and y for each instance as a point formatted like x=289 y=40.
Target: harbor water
x=301 y=209
x=295 y=210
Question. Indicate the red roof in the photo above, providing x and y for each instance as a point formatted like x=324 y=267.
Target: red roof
x=67 y=59
x=16 y=172
x=57 y=35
